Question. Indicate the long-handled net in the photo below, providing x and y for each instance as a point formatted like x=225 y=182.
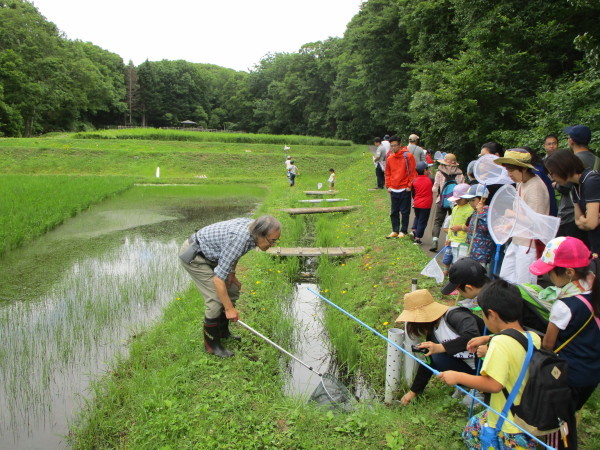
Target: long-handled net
x=330 y=392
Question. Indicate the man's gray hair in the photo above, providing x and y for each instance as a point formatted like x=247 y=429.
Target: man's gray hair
x=263 y=226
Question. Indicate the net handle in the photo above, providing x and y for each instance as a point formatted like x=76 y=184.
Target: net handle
x=248 y=327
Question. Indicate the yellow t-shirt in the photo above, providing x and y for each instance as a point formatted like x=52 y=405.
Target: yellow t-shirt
x=503 y=363
x=459 y=216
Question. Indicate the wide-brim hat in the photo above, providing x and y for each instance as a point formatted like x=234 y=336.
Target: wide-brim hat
x=516 y=157
x=420 y=307
x=449 y=160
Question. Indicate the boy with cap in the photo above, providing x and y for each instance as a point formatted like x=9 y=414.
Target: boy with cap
x=422 y=201
x=468 y=277
x=481 y=244
x=457 y=228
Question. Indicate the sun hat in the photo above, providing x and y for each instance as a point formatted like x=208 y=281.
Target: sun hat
x=449 y=160
x=458 y=191
x=419 y=306
x=581 y=134
x=476 y=190
x=564 y=251
x=516 y=157
x=413 y=138
x=464 y=271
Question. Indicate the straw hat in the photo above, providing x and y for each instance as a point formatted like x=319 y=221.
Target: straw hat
x=449 y=160
x=516 y=157
x=419 y=306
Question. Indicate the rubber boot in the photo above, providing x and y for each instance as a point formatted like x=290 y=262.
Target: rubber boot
x=224 y=327
x=212 y=339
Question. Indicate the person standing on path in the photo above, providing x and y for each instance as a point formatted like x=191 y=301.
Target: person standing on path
x=399 y=174
x=379 y=160
x=422 y=201
x=210 y=256
x=414 y=149
x=448 y=174
x=293 y=172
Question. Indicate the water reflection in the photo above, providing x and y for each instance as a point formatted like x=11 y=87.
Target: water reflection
x=74 y=298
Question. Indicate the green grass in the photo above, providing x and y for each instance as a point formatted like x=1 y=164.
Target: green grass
x=237 y=138
x=32 y=205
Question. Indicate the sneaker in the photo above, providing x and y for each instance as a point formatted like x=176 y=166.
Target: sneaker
x=392 y=235
x=411 y=235
x=401 y=235
x=468 y=400
x=418 y=241
x=434 y=244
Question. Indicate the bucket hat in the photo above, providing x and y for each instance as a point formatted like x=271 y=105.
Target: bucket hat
x=449 y=160
x=458 y=191
x=419 y=306
x=564 y=251
x=516 y=157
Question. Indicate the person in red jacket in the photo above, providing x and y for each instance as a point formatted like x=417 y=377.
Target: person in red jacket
x=399 y=175
x=422 y=200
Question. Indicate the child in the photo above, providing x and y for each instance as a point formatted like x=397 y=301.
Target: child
x=446 y=332
x=574 y=325
x=422 y=201
x=481 y=244
x=331 y=179
x=501 y=306
x=293 y=172
x=457 y=228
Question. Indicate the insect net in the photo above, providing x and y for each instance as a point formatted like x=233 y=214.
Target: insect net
x=331 y=393
x=487 y=172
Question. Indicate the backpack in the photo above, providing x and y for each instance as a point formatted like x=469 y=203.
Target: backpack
x=546 y=400
x=536 y=312
x=447 y=189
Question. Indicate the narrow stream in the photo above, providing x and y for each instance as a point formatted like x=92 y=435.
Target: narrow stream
x=76 y=297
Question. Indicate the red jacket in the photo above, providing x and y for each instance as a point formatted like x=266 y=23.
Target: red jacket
x=422 y=192
x=400 y=169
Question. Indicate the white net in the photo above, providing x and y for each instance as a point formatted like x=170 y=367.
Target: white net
x=487 y=172
x=433 y=270
x=509 y=216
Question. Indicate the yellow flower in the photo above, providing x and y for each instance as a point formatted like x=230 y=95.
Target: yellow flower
x=343 y=292
x=386 y=323
x=178 y=298
x=343 y=264
x=258 y=282
x=375 y=285
x=326 y=290
x=279 y=271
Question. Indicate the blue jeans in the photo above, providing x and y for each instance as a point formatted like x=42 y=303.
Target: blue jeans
x=400 y=205
x=292 y=178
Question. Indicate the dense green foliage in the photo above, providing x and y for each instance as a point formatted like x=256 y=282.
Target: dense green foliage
x=457 y=72
x=32 y=205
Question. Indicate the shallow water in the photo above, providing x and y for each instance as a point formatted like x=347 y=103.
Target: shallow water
x=74 y=298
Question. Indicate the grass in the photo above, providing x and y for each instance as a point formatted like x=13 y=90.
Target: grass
x=32 y=205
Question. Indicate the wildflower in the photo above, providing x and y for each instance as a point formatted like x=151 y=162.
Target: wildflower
x=258 y=282
x=326 y=290
x=375 y=285
x=343 y=264
x=344 y=291
x=386 y=323
x=279 y=271
x=178 y=298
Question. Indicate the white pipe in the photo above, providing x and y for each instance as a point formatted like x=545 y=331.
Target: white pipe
x=410 y=366
x=158 y=172
x=393 y=371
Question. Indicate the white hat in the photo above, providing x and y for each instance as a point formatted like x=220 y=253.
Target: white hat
x=413 y=138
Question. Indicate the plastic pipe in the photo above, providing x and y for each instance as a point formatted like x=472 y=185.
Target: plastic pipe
x=393 y=371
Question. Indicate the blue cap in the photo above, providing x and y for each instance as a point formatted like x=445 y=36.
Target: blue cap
x=421 y=167
x=581 y=134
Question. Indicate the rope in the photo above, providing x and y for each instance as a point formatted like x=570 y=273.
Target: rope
x=434 y=371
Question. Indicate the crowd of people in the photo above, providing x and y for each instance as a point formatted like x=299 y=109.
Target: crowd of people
x=548 y=293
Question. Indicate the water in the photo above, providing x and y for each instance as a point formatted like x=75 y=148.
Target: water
x=312 y=346
x=74 y=298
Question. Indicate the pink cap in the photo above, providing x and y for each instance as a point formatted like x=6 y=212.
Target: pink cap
x=458 y=191
x=564 y=251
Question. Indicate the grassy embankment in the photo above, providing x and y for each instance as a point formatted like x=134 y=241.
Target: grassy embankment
x=170 y=394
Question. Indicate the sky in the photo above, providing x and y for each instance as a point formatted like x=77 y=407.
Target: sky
x=229 y=33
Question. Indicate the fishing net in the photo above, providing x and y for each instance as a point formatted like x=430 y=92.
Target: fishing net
x=433 y=270
x=332 y=394
x=487 y=172
x=509 y=216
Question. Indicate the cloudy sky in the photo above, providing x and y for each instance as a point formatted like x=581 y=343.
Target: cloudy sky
x=228 y=33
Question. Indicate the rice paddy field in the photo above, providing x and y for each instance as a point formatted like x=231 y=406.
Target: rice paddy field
x=159 y=389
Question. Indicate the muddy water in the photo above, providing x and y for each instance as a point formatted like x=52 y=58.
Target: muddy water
x=75 y=298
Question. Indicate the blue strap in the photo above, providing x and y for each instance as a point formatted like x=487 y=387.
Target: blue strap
x=515 y=390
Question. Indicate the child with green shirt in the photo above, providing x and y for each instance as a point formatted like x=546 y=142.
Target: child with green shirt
x=501 y=305
x=457 y=228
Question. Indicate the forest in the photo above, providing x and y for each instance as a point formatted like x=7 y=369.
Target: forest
x=456 y=72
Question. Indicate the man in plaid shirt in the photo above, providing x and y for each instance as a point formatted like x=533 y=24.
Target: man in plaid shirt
x=210 y=256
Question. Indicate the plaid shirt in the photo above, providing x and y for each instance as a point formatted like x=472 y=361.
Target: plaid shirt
x=225 y=243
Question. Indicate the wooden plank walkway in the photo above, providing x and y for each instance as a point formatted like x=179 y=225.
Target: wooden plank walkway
x=320 y=192
x=319 y=200
x=319 y=210
x=315 y=251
